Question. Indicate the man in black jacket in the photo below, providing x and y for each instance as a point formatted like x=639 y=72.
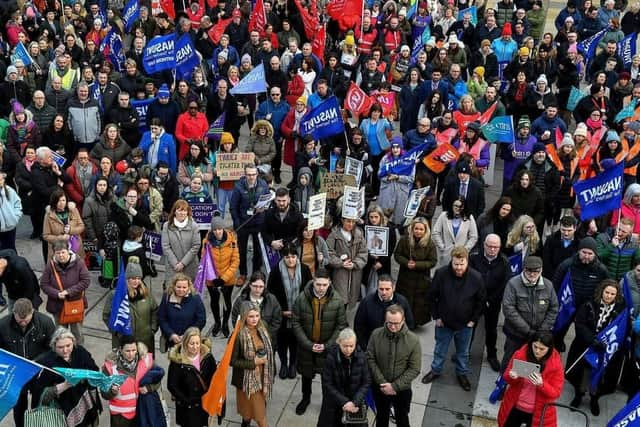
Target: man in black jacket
x=126 y=117
x=221 y=101
x=457 y=298
x=464 y=185
x=18 y=277
x=495 y=271
x=25 y=333
x=372 y=309
x=561 y=245
x=281 y=221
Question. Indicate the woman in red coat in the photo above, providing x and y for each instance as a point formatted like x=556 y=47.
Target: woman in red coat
x=526 y=396
x=192 y=125
x=290 y=129
x=295 y=89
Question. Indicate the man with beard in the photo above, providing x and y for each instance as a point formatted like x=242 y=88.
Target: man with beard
x=281 y=221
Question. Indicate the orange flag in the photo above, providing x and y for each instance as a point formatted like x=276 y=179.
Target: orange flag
x=213 y=399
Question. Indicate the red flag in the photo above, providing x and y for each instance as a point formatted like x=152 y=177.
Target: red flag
x=386 y=101
x=309 y=18
x=317 y=47
x=487 y=115
x=216 y=31
x=258 y=18
x=167 y=6
x=346 y=12
x=357 y=101
x=439 y=158
x=559 y=137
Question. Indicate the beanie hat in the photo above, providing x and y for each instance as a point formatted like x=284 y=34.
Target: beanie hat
x=479 y=71
x=12 y=69
x=573 y=48
x=537 y=147
x=302 y=99
x=634 y=126
x=17 y=108
x=133 y=268
x=405 y=48
x=396 y=141
x=217 y=223
x=506 y=30
x=163 y=92
x=581 y=129
x=245 y=58
x=350 y=40
x=226 y=138
x=588 y=243
x=223 y=53
x=524 y=122
x=474 y=126
x=567 y=140
x=236 y=13
x=612 y=135
x=524 y=51
x=542 y=79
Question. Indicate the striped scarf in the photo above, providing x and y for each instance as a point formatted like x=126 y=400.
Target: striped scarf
x=252 y=381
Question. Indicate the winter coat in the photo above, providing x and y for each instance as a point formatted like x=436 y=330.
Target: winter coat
x=189 y=128
x=19 y=279
x=149 y=410
x=371 y=315
x=10 y=209
x=127 y=120
x=528 y=308
x=175 y=318
x=243 y=200
x=225 y=256
x=584 y=277
x=495 y=274
x=144 y=319
x=187 y=385
x=301 y=193
x=121 y=216
x=457 y=300
x=84 y=120
x=263 y=147
x=167 y=113
x=554 y=253
x=181 y=245
x=332 y=320
x=119 y=152
x=529 y=201
x=394 y=194
x=343 y=380
x=445 y=240
x=75 y=279
x=347 y=282
x=618 y=259
x=95 y=214
x=286 y=229
x=277 y=289
x=17 y=145
x=394 y=357
x=410 y=102
x=549 y=392
x=31 y=343
x=74 y=189
x=414 y=283
x=166 y=149
x=43 y=182
x=53 y=229
x=270 y=311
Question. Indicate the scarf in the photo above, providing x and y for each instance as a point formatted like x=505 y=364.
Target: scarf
x=180 y=224
x=604 y=315
x=291 y=287
x=298 y=117
x=28 y=164
x=257 y=379
x=520 y=92
x=594 y=124
x=128 y=366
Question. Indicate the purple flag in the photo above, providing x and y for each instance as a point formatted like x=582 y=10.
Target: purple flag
x=206 y=270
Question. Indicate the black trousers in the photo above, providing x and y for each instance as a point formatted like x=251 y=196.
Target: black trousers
x=491 y=315
x=276 y=163
x=287 y=343
x=401 y=403
x=243 y=239
x=306 y=387
x=214 y=293
x=20 y=408
x=517 y=417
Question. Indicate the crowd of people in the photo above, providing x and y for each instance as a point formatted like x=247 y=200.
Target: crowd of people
x=100 y=154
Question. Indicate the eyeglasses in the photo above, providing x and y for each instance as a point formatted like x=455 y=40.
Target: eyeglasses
x=394 y=323
x=275 y=94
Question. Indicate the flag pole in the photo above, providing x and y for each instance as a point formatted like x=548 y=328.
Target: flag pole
x=32 y=362
x=576 y=362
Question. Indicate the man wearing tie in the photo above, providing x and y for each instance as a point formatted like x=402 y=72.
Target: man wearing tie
x=464 y=185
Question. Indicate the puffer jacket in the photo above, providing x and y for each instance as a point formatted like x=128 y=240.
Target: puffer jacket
x=75 y=280
x=119 y=152
x=84 y=120
x=181 y=245
x=263 y=147
x=95 y=214
x=394 y=357
x=332 y=320
x=225 y=256
x=347 y=282
x=584 y=277
x=31 y=343
x=10 y=209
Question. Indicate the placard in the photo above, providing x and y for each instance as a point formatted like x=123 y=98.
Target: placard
x=230 y=166
x=57 y=158
x=333 y=184
x=265 y=200
x=317 y=211
x=270 y=257
x=353 y=202
x=414 y=200
x=377 y=240
x=354 y=168
x=203 y=214
x=153 y=244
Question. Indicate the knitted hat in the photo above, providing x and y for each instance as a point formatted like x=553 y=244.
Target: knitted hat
x=17 y=107
x=405 y=48
x=302 y=99
x=396 y=141
x=423 y=5
x=524 y=122
x=524 y=51
x=479 y=71
x=567 y=140
x=217 y=223
x=122 y=166
x=350 y=40
x=12 y=69
x=612 y=135
x=634 y=126
x=236 y=13
x=474 y=126
x=226 y=138
x=245 y=58
x=581 y=129
x=537 y=147
x=133 y=268
x=506 y=30
x=588 y=243
x=544 y=48
x=223 y=54
x=163 y=92
x=542 y=79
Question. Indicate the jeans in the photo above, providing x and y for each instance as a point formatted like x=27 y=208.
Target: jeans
x=401 y=403
x=462 y=340
x=224 y=197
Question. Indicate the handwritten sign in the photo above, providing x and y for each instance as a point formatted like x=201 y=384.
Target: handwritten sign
x=333 y=184
x=354 y=168
x=153 y=244
x=353 y=202
x=203 y=214
x=317 y=209
x=230 y=166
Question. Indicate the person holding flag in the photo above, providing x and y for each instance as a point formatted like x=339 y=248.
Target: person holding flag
x=591 y=318
x=395 y=182
x=470 y=142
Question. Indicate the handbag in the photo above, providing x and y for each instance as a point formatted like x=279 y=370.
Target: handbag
x=72 y=310
x=359 y=417
x=50 y=416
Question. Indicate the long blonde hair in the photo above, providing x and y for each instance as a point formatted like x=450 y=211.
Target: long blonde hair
x=515 y=235
x=424 y=241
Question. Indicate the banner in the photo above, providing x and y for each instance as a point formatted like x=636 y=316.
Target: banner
x=500 y=129
x=353 y=203
x=588 y=47
x=627 y=111
x=323 y=121
x=418 y=43
x=473 y=10
x=414 y=200
x=216 y=31
x=252 y=83
x=213 y=399
x=95 y=378
x=206 y=271
x=319 y=42
x=515 y=264
x=629 y=416
x=120 y=316
x=317 y=210
x=216 y=128
x=357 y=101
x=167 y=7
x=612 y=337
x=203 y=214
x=309 y=18
x=21 y=53
x=130 y=14
x=153 y=244
x=404 y=164
x=230 y=166
x=346 y=12
x=111 y=48
x=142 y=106
x=15 y=372
x=626 y=49
x=270 y=257
x=487 y=115
x=186 y=57
x=574 y=97
x=258 y=18
x=158 y=55
x=387 y=102
x=600 y=194
x=354 y=167
x=567 y=303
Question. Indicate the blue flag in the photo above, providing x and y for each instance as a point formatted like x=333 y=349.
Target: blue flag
x=404 y=164
x=418 y=43
x=629 y=416
x=323 y=121
x=216 y=128
x=159 y=54
x=627 y=49
x=368 y=399
x=612 y=337
x=252 y=83
x=574 y=97
x=142 y=106
x=515 y=264
x=500 y=129
x=186 y=57
x=600 y=194
x=588 y=47
x=95 y=378
x=120 y=317
x=96 y=93
x=113 y=42
x=130 y=14
x=498 y=391
x=412 y=9
x=627 y=111
x=15 y=372
x=22 y=54
x=473 y=10
x=567 y=303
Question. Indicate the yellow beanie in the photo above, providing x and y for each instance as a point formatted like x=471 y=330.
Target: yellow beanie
x=302 y=99
x=524 y=51
x=479 y=71
x=226 y=138
x=349 y=40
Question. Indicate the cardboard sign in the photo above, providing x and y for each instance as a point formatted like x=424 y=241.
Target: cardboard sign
x=230 y=166
x=353 y=202
x=203 y=214
x=153 y=243
x=354 y=168
x=333 y=184
x=317 y=210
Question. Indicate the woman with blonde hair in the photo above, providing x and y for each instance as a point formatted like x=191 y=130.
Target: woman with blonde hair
x=454 y=227
x=416 y=254
x=466 y=114
x=253 y=366
x=180 y=309
x=523 y=238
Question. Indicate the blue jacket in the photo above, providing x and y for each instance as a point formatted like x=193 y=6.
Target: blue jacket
x=412 y=139
x=166 y=151
x=504 y=50
x=149 y=409
x=278 y=113
x=314 y=100
x=232 y=55
x=175 y=319
x=381 y=142
x=543 y=123
x=243 y=201
x=564 y=14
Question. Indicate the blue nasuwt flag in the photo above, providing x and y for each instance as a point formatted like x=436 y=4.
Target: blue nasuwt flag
x=96 y=93
x=627 y=111
x=567 y=303
x=120 y=317
x=324 y=121
x=113 y=42
x=95 y=378
x=627 y=48
x=515 y=264
x=186 y=57
x=216 y=128
x=600 y=194
x=252 y=83
x=588 y=47
x=405 y=163
x=22 y=54
x=473 y=10
x=629 y=416
x=130 y=14
x=613 y=337
x=419 y=41
x=15 y=372
x=500 y=129
x=159 y=54
x=142 y=106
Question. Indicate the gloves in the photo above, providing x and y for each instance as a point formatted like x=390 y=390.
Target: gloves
x=597 y=345
x=218 y=282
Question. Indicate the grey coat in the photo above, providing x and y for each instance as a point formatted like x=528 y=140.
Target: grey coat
x=444 y=239
x=180 y=246
x=347 y=282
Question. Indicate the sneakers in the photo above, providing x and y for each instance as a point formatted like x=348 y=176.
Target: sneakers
x=301 y=408
x=464 y=382
x=429 y=377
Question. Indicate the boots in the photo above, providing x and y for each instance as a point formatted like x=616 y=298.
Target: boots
x=216 y=329
x=577 y=400
x=301 y=408
x=595 y=407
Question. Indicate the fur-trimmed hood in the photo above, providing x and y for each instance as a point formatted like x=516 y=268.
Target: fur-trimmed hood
x=260 y=123
x=176 y=356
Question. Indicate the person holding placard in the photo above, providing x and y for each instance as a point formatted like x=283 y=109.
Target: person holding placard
x=395 y=187
x=312 y=248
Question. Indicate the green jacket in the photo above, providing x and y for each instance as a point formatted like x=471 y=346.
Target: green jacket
x=394 y=357
x=536 y=18
x=618 y=260
x=333 y=319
